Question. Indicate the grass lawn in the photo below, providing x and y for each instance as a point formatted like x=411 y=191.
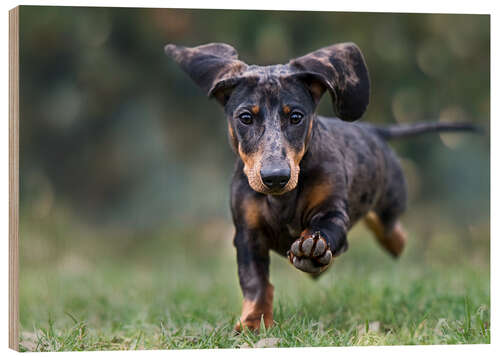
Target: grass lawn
x=180 y=290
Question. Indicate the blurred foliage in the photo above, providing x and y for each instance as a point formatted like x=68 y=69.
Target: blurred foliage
x=113 y=132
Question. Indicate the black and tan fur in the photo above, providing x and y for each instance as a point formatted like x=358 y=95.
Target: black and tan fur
x=301 y=181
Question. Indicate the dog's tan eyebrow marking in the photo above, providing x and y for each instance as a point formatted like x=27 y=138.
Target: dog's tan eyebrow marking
x=286 y=109
x=255 y=109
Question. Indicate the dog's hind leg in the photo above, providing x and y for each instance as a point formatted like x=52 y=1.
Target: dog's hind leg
x=391 y=237
x=383 y=220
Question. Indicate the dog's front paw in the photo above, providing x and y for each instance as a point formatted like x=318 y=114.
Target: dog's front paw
x=311 y=253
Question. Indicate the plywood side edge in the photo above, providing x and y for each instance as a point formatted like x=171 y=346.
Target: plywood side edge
x=14 y=178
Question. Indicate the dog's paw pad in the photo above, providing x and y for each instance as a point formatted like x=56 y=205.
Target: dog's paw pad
x=325 y=258
x=321 y=248
x=310 y=254
x=307 y=246
x=305 y=264
x=295 y=249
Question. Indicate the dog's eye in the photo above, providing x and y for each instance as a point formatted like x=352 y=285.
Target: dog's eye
x=296 y=117
x=246 y=118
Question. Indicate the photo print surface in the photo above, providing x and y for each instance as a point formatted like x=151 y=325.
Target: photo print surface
x=195 y=179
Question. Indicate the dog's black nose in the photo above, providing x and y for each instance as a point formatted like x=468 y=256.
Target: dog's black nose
x=275 y=177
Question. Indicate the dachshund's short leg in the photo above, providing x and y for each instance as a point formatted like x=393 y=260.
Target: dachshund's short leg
x=383 y=221
x=391 y=235
x=253 y=272
x=324 y=239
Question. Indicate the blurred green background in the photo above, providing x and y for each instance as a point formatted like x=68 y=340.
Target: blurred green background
x=125 y=164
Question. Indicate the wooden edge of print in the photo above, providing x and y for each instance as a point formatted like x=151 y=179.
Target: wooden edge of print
x=14 y=178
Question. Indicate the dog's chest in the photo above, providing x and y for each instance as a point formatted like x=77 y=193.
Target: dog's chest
x=293 y=229
x=286 y=224
x=284 y=217
x=288 y=232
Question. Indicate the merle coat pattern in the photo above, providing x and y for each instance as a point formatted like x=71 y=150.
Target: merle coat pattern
x=301 y=181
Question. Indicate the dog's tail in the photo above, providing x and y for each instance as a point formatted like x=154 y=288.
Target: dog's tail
x=406 y=130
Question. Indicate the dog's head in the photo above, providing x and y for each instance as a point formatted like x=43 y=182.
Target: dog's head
x=270 y=110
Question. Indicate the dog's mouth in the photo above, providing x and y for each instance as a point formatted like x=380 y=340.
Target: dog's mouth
x=260 y=188
x=277 y=178
x=275 y=186
x=276 y=191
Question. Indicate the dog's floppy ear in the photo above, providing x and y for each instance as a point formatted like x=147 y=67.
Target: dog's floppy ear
x=341 y=70
x=214 y=67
